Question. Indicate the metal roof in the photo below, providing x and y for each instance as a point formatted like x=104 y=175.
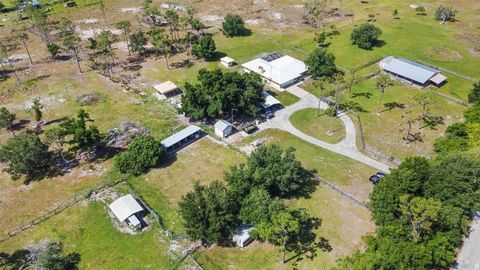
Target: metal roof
x=179 y=136
x=222 y=125
x=281 y=70
x=124 y=207
x=269 y=100
x=227 y=59
x=165 y=87
x=408 y=69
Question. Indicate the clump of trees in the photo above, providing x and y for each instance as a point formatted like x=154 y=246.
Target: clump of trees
x=204 y=48
x=218 y=94
x=253 y=195
x=233 y=25
x=463 y=135
x=321 y=64
x=423 y=208
x=366 y=36
x=143 y=153
x=445 y=14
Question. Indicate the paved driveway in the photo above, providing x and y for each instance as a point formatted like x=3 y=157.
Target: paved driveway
x=469 y=256
x=346 y=147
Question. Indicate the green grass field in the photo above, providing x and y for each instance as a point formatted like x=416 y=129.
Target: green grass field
x=322 y=127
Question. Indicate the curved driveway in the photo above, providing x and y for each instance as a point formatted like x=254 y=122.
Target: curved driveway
x=346 y=147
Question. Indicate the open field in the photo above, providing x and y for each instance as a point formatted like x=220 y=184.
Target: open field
x=322 y=127
x=203 y=161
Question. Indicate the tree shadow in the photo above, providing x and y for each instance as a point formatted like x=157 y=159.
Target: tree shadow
x=216 y=56
x=16 y=260
x=362 y=94
x=305 y=243
x=19 y=125
x=63 y=57
x=379 y=43
x=306 y=187
x=393 y=105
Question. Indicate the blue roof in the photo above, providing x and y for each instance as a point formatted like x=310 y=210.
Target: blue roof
x=410 y=70
x=179 y=136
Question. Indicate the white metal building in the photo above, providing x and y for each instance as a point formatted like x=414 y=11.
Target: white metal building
x=283 y=71
x=125 y=208
x=227 y=61
x=181 y=138
x=242 y=235
x=223 y=128
x=413 y=72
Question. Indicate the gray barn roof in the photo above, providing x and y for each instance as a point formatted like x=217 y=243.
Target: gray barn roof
x=179 y=136
x=410 y=70
x=222 y=125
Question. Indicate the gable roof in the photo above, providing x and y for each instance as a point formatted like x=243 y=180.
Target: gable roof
x=124 y=207
x=408 y=69
x=222 y=125
x=269 y=100
x=165 y=87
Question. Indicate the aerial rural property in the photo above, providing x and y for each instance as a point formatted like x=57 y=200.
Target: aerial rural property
x=235 y=134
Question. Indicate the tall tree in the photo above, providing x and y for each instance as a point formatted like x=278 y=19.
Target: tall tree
x=321 y=63
x=6 y=57
x=383 y=81
x=6 y=119
x=126 y=28
x=138 y=42
x=37 y=107
x=233 y=25
x=161 y=43
x=209 y=212
x=56 y=137
x=143 y=153
x=205 y=47
x=26 y=155
x=366 y=36
x=21 y=35
x=422 y=213
x=82 y=136
x=70 y=39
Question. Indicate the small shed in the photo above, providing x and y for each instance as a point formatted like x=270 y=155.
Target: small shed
x=168 y=89
x=227 y=61
x=223 y=128
x=125 y=209
x=242 y=235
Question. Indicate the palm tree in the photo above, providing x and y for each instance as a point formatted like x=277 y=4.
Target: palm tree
x=383 y=81
x=21 y=35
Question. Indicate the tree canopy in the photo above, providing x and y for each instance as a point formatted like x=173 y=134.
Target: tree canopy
x=474 y=95
x=205 y=47
x=233 y=25
x=26 y=155
x=366 y=36
x=143 y=153
x=321 y=64
x=217 y=94
x=209 y=212
x=82 y=136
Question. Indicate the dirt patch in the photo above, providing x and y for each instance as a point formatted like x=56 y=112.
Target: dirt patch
x=254 y=21
x=88 y=21
x=90 y=33
x=89 y=99
x=131 y=10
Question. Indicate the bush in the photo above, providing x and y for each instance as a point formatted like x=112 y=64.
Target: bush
x=444 y=13
x=472 y=114
x=143 y=153
x=474 y=95
x=233 y=25
x=53 y=49
x=204 y=48
x=366 y=36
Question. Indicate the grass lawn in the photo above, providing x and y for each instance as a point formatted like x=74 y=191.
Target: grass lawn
x=88 y=230
x=343 y=228
x=350 y=175
x=323 y=127
x=285 y=97
x=203 y=161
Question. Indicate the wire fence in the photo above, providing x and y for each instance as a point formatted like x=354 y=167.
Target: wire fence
x=343 y=193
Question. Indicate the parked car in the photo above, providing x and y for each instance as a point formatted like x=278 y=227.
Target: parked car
x=377 y=177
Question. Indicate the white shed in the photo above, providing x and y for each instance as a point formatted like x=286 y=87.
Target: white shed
x=227 y=61
x=242 y=235
x=223 y=128
x=125 y=208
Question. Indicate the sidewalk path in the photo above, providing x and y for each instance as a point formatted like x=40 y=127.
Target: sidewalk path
x=346 y=147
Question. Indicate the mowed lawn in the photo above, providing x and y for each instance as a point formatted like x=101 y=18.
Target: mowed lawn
x=323 y=127
x=203 y=161
x=88 y=230
x=343 y=227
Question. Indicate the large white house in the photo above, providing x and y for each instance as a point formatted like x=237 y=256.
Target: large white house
x=281 y=70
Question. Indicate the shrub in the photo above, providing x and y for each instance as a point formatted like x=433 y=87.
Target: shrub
x=143 y=153
x=366 y=36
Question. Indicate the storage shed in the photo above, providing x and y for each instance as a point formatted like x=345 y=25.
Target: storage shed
x=227 y=61
x=242 y=235
x=223 y=128
x=413 y=72
x=168 y=89
x=181 y=138
x=125 y=209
